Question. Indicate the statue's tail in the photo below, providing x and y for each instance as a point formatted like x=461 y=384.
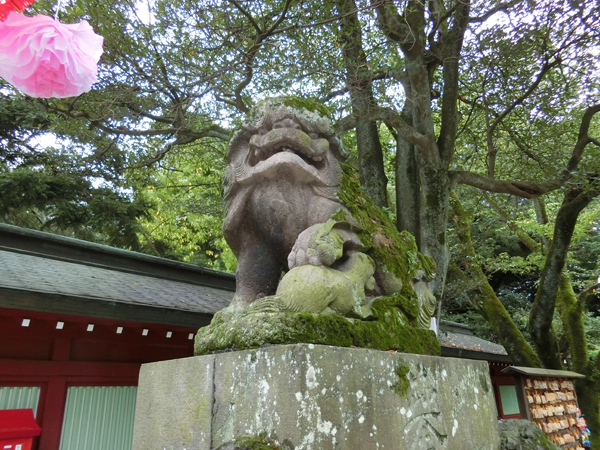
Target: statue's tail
x=271 y=304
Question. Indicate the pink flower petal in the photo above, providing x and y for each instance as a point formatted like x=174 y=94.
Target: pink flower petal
x=45 y=58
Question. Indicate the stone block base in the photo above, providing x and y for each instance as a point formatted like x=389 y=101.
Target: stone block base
x=312 y=397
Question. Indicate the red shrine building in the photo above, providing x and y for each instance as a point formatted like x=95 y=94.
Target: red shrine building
x=78 y=319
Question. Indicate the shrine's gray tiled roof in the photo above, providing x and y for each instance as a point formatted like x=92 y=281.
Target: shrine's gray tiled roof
x=56 y=274
x=35 y=273
x=469 y=342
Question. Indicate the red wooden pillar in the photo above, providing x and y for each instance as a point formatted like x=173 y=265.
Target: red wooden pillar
x=54 y=406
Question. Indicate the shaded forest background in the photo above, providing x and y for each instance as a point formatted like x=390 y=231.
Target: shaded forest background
x=473 y=124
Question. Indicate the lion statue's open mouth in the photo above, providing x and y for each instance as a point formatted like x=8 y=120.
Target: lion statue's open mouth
x=282 y=140
x=290 y=141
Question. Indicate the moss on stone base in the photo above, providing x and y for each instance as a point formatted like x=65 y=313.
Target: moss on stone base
x=403 y=385
x=520 y=434
x=390 y=329
x=261 y=442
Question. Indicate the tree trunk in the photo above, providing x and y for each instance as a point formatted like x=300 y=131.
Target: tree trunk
x=487 y=302
x=432 y=156
x=540 y=319
x=408 y=192
x=435 y=193
x=358 y=79
x=588 y=390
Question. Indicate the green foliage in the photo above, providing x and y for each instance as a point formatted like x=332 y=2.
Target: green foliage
x=68 y=204
x=21 y=119
x=187 y=214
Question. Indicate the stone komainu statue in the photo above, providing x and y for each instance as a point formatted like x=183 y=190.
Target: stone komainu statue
x=294 y=208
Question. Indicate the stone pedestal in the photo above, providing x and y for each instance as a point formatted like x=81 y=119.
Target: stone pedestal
x=312 y=397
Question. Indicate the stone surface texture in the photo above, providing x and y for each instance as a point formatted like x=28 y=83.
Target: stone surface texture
x=174 y=405
x=518 y=434
x=310 y=397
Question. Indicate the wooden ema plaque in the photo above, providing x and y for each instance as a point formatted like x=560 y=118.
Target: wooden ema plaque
x=552 y=404
x=547 y=398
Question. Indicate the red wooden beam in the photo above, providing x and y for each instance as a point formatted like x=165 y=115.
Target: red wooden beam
x=44 y=369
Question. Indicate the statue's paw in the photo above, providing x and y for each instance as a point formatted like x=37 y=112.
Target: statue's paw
x=318 y=245
x=227 y=314
x=297 y=257
x=363 y=312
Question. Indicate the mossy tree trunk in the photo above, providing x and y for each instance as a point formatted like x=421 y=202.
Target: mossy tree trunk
x=588 y=390
x=486 y=300
x=555 y=290
x=424 y=159
x=571 y=309
x=571 y=313
x=359 y=81
x=408 y=192
x=542 y=312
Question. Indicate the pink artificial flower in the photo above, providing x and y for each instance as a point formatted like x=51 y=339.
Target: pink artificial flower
x=45 y=58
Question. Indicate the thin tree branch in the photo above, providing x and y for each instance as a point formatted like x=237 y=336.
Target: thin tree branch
x=527 y=189
x=527 y=240
x=545 y=69
x=519 y=188
x=374 y=5
x=499 y=7
x=250 y=56
x=247 y=15
x=426 y=144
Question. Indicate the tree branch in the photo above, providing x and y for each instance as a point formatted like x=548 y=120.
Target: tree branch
x=345 y=124
x=247 y=15
x=499 y=7
x=581 y=296
x=538 y=79
x=426 y=144
x=540 y=319
x=527 y=240
x=383 y=74
x=213 y=131
x=140 y=112
x=519 y=188
x=392 y=24
x=486 y=301
x=451 y=44
x=251 y=54
x=582 y=138
x=374 y=4
x=532 y=190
